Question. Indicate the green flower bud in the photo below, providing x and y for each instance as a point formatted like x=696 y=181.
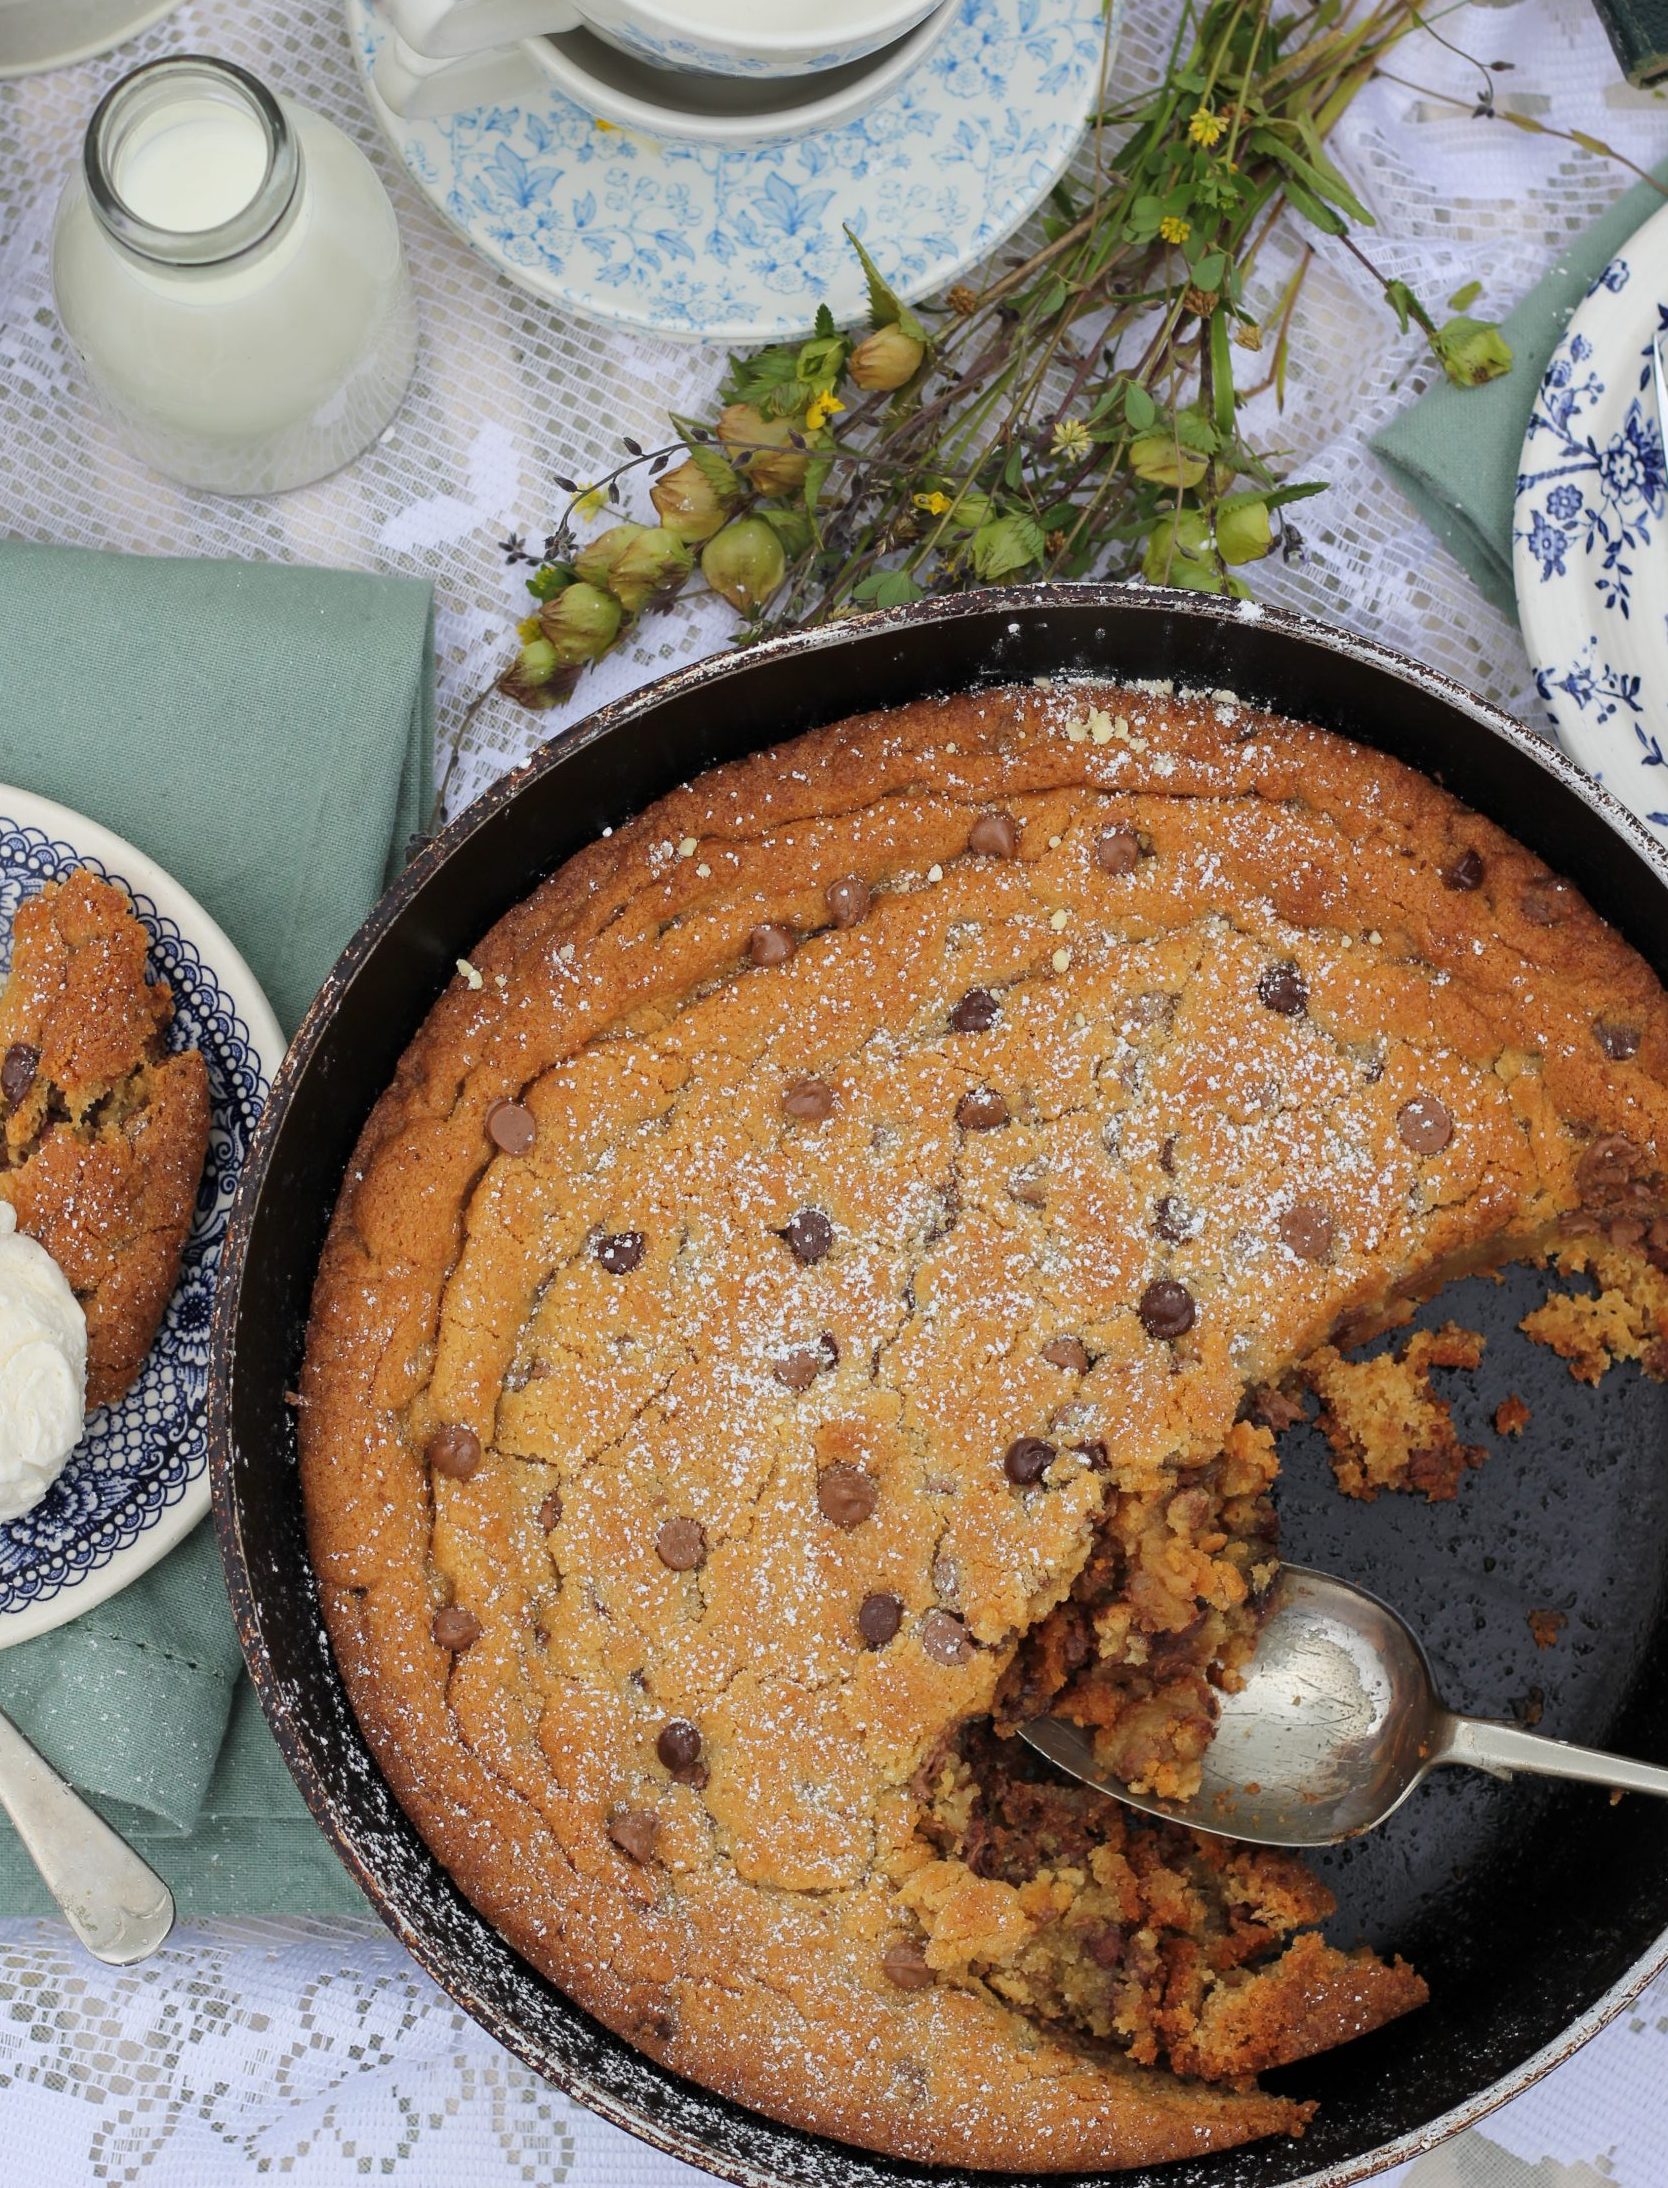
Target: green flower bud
x=580 y=623
x=1244 y=533
x=886 y=359
x=1157 y=456
x=689 y=503
x=597 y=557
x=1177 y=553
x=752 y=440
x=532 y=678
x=745 y=563
x=1472 y=351
x=649 y=569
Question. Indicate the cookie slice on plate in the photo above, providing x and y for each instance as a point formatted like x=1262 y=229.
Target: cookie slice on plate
x=104 y=1131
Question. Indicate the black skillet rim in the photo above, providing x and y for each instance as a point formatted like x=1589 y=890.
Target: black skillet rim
x=319 y=1795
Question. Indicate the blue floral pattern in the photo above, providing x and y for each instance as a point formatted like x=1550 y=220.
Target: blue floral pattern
x=742 y=245
x=1590 y=540
x=139 y=1457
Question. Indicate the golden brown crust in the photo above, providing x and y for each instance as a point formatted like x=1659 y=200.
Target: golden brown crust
x=462 y=1287
x=104 y=1145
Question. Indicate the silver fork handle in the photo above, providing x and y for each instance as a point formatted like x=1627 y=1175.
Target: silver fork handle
x=115 y=1903
x=1501 y=1749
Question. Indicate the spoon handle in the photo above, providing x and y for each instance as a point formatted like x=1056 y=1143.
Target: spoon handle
x=115 y=1903
x=1501 y=1749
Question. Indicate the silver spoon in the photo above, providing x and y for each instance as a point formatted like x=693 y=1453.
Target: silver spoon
x=115 y=1903
x=1338 y=1721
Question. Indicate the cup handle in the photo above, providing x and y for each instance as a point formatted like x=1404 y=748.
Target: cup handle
x=443 y=30
x=418 y=90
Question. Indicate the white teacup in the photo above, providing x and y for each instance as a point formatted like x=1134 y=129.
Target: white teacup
x=753 y=38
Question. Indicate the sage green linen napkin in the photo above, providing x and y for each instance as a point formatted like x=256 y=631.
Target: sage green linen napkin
x=1454 y=453
x=264 y=732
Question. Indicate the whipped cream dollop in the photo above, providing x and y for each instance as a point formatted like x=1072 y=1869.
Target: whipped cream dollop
x=43 y=1369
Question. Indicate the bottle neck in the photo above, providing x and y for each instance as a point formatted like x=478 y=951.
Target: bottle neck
x=190 y=162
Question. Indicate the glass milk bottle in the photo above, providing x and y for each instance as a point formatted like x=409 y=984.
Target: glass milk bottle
x=229 y=270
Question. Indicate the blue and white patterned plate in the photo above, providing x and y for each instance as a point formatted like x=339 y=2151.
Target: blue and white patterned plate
x=1589 y=540
x=138 y=1480
x=714 y=244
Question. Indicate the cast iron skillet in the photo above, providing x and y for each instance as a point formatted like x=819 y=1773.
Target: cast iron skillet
x=1536 y=1911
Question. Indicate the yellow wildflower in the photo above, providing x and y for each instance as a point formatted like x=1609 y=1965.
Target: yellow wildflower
x=821 y=408
x=1071 y=437
x=1207 y=128
x=934 y=503
x=589 y=502
x=1174 y=229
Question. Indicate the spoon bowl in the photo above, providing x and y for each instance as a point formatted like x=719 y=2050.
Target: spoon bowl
x=1336 y=1725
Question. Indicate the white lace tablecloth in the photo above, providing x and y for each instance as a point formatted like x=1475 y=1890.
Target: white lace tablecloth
x=317 y=2051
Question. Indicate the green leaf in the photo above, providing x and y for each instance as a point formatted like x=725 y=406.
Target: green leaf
x=552 y=578
x=824 y=329
x=1221 y=374
x=816 y=477
x=792 y=525
x=1196 y=432
x=1139 y=407
x=1463 y=299
x=719 y=473
x=752 y=379
x=886 y=307
x=1207 y=274
x=1006 y=544
x=1318 y=215
x=887 y=589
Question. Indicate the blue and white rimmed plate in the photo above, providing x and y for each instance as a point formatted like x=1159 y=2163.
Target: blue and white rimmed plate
x=1589 y=536
x=138 y=1480
x=741 y=245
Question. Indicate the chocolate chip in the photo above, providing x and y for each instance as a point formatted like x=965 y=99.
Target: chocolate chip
x=456 y=1629
x=993 y=835
x=454 y=1451
x=1067 y=1352
x=17 y=1073
x=982 y=1110
x=809 y=1235
x=1547 y=901
x=620 y=1252
x=771 y=945
x=1466 y=873
x=510 y=1126
x=1030 y=1187
x=1166 y=1309
x=798 y=1370
x=634 y=1832
x=847 y=900
x=679 y=1744
x=681 y=1544
x=1106 y=1945
x=812 y=1099
x=1282 y=987
x=1167 y=1156
x=1172 y=1218
x=975 y=1013
x=550 y=1512
x=1617 y=1041
x=945 y=1639
x=1424 y=1124
x=878 y=1619
x=905 y=1965
x=1026 y=1460
x=1306 y=1227
x=1612 y=1173
x=1117 y=850
x=846 y=1496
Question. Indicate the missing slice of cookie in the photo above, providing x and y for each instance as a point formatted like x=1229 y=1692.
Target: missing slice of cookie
x=103 y=1132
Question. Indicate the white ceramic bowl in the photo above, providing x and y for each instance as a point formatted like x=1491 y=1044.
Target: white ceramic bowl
x=675 y=107
x=38 y=34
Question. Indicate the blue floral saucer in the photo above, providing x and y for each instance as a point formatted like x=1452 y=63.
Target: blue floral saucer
x=715 y=244
x=1589 y=537
x=138 y=1480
